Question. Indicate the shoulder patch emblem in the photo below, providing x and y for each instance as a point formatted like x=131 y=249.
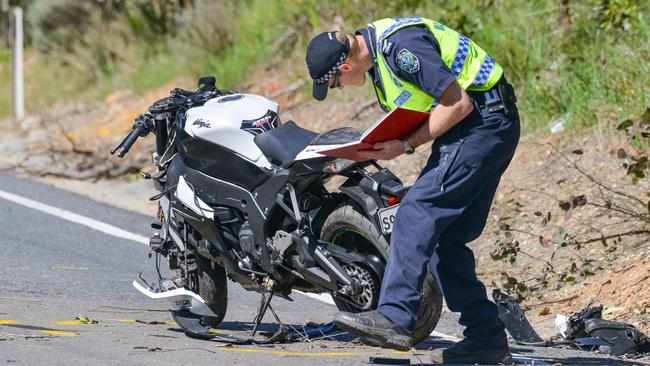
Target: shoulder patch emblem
x=407 y=61
x=388 y=45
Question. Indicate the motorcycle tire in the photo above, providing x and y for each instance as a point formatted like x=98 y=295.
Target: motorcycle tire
x=213 y=288
x=351 y=221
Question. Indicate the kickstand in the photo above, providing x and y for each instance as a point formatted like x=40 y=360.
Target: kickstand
x=193 y=326
x=265 y=304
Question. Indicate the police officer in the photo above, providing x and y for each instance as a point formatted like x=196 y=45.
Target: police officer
x=420 y=64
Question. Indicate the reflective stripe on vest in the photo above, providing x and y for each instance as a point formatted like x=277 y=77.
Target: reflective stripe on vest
x=484 y=73
x=461 y=55
x=471 y=65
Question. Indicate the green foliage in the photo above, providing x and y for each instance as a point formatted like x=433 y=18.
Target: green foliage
x=512 y=286
x=637 y=163
x=586 y=76
x=506 y=250
x=5 y=79
x=617 y=14
x=631 y=205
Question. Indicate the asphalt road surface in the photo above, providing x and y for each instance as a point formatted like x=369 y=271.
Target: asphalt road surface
x=66 y=298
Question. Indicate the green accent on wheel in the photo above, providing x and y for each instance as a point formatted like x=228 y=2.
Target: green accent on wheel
x=340 y=232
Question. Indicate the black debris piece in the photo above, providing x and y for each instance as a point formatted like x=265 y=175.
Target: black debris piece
x=515 y=319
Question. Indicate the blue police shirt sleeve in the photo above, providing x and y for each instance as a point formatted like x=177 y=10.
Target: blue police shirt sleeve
x=414 y=55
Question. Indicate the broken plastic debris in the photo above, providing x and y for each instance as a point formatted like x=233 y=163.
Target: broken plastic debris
x=557 y=125
x=86 y=320
x=390 y=361
x=562 y=324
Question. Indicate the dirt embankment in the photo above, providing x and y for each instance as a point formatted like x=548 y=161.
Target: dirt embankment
x=561 y=257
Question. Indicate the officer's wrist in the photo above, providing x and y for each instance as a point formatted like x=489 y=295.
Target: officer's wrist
x=408 y=148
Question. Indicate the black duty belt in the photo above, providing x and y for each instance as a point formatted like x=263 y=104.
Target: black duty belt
x=500 y=97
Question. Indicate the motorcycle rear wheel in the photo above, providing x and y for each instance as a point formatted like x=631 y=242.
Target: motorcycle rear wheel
x=349 y=227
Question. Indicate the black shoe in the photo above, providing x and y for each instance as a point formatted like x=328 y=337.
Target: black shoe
x=376 y=327
x=470 y=352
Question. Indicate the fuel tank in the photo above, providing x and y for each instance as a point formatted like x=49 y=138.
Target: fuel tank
x=232 y=121
x=218 y=138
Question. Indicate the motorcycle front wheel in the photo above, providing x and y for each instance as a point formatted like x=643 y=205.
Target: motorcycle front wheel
x=348 y=227
x=212 y=286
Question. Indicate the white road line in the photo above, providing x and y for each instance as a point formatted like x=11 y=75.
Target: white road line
x=445 y=336
x=326 y=298
x=73 y=217
x=115 y=231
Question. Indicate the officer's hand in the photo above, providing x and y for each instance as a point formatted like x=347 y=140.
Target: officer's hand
x=386 y=150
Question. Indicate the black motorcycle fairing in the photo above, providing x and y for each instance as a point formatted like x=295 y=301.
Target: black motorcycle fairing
x=267 y=192
x=366 y=190
x=219 y=193
x=227 y=200
x=220 y=163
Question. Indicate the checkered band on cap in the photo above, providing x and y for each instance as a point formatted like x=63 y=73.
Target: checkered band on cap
x=325 y=78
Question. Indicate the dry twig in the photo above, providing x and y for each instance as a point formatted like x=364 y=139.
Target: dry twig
x=365 y=105
x=553 y=301
x=288 y=90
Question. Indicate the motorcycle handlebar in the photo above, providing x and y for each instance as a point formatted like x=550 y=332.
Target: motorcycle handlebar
x=141 y=127
x=126 y=144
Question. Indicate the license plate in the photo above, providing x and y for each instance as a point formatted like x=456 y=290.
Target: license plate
x=387 y=219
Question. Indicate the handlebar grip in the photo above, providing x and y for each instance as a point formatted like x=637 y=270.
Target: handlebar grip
x=126 y=144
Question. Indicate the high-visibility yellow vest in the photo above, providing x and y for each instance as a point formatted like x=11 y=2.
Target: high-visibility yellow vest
x=471 y=65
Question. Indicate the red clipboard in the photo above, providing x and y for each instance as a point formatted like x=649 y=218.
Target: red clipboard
x=397 y=124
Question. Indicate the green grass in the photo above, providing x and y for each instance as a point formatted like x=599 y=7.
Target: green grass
x=5 y=81
x=594 y=75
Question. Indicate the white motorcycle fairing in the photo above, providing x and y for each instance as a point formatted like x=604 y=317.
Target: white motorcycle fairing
x=189 y=198
x=180 y=299
x=232 y=121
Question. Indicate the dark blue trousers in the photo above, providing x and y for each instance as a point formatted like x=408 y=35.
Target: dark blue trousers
x=446 y=208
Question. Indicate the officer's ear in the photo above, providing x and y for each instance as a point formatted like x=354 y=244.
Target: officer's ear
x=346 y=66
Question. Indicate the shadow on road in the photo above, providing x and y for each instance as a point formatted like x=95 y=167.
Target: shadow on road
x=338 y=339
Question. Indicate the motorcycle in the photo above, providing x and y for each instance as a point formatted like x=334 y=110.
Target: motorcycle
x=244 y=196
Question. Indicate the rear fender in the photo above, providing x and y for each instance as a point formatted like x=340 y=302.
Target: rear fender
x=367 y=192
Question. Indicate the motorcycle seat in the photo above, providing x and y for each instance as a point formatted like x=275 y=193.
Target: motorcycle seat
x=337 y=136
x=281 y=145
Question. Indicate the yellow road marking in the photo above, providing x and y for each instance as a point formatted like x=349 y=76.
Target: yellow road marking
x=7 y=321
x=127 y=321
x=217 y=331
x=68 y=322
x=60 y=332
x=402 y=352
x=135 y=321
x=289 y=353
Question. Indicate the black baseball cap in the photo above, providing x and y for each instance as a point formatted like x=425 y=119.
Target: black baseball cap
x=324 y=56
